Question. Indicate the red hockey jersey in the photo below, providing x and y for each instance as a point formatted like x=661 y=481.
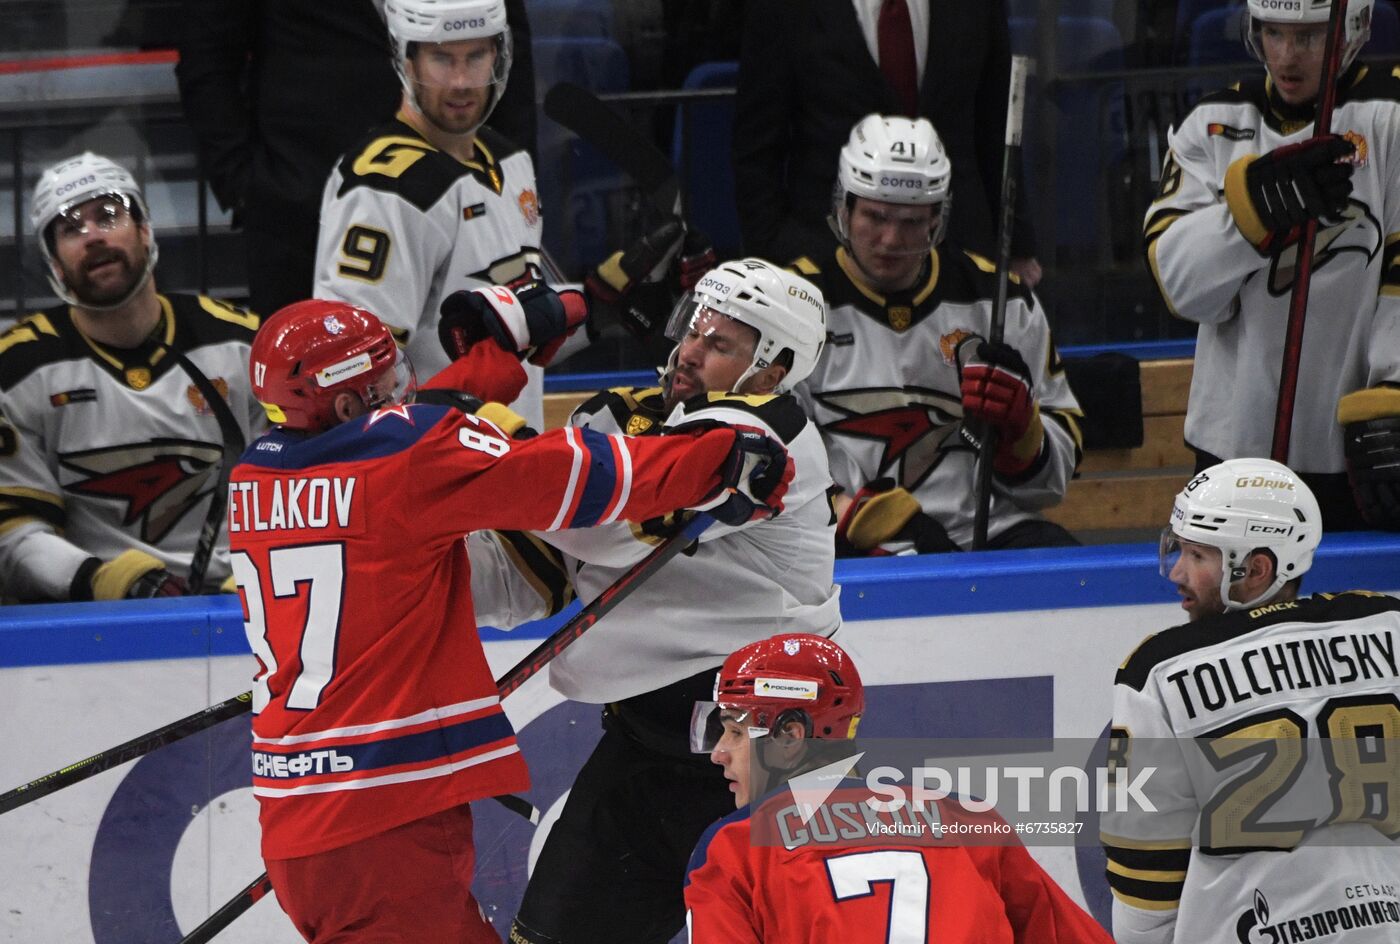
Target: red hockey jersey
x=842 y=872
x=374 y=703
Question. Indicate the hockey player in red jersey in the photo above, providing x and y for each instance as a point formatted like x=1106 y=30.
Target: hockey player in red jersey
x=376 y=717
x=787 y=706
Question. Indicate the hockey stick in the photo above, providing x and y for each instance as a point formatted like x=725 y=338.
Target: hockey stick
x=1302 y=276
x=526 y=668
x=986 y=453
x=136 y=747
x=587 y=116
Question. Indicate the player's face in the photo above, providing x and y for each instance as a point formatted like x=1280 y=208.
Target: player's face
x=732 y=753
x=712 y=356
x=1196 y=574
x=1293 y=53
x=890 y=241
x=100 y=250
x=453 y=82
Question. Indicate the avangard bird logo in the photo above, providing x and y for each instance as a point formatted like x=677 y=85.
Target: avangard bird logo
x=1357 y=231
x=156 y=481
x=913 y=424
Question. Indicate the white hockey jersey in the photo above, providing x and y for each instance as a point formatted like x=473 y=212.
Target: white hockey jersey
x=1274 y=734
x=404 y=225
x=741 y=584
x=888 y=400
x=112 y=449
x=1209 y=273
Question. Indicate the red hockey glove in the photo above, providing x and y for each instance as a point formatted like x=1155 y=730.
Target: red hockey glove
x=996 y=389
x=697 y=258
x=630 y=282
x=1276 y=193
x=532 y=321
x=753 y=478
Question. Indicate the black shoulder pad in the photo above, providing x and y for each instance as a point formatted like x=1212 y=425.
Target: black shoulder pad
x=966 y=277
x=396 y=159
x=500 y=146
x=202 y=320
x=636 y=411
x=39 y=339
x=781 y=412
x=1373 y=81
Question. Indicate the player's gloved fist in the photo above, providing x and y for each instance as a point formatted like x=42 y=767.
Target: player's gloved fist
x=510 y=422
x=532 y=320
x=131 y=575
x=753 y=478
x=616 y=282
x=882 y=514
x=996 y=389
x=697 y=257
x=1278 y=192
x=1370 y=422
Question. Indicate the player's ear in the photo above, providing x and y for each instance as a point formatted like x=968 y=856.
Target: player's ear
x=347 y=406
x=1259 y=570
x=766 y=380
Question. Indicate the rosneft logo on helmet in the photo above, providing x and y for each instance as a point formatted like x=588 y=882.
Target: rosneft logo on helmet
x=1263 y=481
x=334 y=374
x=785 y=688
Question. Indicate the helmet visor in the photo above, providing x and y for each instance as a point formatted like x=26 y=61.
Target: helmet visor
x=1168 y=552
x=396 y=386
x=462 y=64
x=707 y=720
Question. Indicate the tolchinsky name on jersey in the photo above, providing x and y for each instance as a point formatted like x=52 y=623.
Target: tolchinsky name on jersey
x=1363 y=905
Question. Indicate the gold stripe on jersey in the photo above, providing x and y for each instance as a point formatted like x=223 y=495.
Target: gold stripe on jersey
x=780 y=412
x=1068 y=420
x=805 y=266
x=541 y=565
x=391 y=155
x=1242 y=208
x=1390 y=265
x=26 y=330
x=225 y=311
x=1147 y=875
x=21 y=505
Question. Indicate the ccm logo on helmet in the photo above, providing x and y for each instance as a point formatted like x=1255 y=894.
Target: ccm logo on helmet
x=904 y=182
x=453 y=26
x=1265 y=527
x=75 y=184
x=1259 y=481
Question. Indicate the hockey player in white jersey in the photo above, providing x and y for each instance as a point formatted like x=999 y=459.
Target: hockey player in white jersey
x=433 y=202
x=1242 y=175
x=1262 y=735
x=906 y=363
x=613 y=865
x=109 y=452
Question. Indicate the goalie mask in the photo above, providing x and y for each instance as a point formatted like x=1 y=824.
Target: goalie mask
x=416 y=27
x=309 y=352
x=1356 y=29
x=60 y=199
x=1242 y=506
x=893 y=160
x=787 y=312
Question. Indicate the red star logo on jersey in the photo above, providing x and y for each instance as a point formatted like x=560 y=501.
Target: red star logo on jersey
x=384 y=412
x=914 y=424
x=157 y=481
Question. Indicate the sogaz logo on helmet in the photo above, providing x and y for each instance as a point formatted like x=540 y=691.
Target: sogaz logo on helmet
x=713 y=285
x=901 y=183
x=1281 y=6
x=456 y=26
x=72 y=185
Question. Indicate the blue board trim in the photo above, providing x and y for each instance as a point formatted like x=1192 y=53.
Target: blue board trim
x=883 y=588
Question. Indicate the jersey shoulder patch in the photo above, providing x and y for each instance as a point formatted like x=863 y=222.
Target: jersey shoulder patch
x=202 y=320
x=44 y=337
x=394 y=158
x=634 y=411
x=781 y=412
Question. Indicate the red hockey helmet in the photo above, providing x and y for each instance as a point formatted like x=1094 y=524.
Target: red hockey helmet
x=793 y=677
x=312 y=350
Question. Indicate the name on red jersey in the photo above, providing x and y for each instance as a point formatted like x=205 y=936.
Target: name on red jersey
x=296 y=504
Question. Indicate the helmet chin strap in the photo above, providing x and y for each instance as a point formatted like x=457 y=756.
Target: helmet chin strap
x=1227 y=578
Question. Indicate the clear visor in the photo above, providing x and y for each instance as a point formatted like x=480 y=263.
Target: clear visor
x=103 y=213
x=707 y=725
x=691 y=316
x=1168 y=552
x=464 y=64
x=393 y=387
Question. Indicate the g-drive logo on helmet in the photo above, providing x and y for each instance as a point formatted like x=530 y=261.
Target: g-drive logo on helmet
x=334 y=374
x=785 y=688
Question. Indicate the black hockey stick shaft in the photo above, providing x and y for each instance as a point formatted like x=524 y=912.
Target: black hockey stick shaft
x=131 y=750
x=632 y=150
x=986 y=453
x=1302 y=275
x=526 y=668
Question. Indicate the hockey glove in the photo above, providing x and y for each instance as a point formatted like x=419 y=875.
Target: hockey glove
x=753 y=478
x=996 y=389
x=631 y=282
x=882 y=513
x=697 y=258
x=1371 y=439
x=131 y=575
x=532 y=321
x=1273 y=195
x=510 y=422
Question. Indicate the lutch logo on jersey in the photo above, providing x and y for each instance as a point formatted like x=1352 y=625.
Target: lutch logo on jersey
x=914 y=423
x=159 y=481
x=1367 y=906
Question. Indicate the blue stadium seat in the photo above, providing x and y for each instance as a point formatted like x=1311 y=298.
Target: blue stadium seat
x=555 y=18
x=577 y=183
x=1188 y=12
x=700 y=151
x=1090 y=134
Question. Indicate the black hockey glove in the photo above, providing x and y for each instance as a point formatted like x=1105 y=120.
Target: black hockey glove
x=529 y=319
x=131 y=575
x=754 y=477
x=1371 y=439
x=632 y=284
x=883 y=513
x=696 y=258
x=510 y=422
x=1285 y=188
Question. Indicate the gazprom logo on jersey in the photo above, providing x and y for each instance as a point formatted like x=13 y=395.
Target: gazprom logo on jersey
x=1368 y=905
x=334 y=374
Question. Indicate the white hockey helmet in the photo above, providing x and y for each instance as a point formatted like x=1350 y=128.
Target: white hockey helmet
x=75 y=181
x=893 y=160
x=786 y=310
x=447 y=21
x=1357 y=27
x=1242 y=506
